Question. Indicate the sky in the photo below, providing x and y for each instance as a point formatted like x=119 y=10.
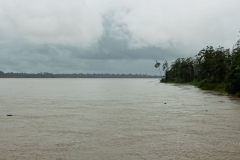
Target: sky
x=110 y=36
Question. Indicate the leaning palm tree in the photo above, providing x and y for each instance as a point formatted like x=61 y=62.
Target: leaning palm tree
x=157 y=65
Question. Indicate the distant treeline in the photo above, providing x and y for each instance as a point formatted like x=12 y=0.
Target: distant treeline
x=75 y=75
x=211 y=69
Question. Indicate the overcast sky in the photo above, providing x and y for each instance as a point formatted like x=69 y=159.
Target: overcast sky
x=110 y=36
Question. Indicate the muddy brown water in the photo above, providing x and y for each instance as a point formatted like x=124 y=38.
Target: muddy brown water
x=115 y=119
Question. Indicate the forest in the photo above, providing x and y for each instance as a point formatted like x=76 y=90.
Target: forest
x=211 y=69
x=74 y=75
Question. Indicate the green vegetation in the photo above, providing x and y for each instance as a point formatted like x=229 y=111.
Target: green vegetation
x=211 y=69
x=75 y=75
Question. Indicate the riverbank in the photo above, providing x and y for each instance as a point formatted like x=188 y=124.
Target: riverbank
x=211 y=69
x=205 y=85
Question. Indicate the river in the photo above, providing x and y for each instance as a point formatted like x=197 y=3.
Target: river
x=115 y=119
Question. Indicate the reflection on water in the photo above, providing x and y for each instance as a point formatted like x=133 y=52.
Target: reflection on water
x=115 y=119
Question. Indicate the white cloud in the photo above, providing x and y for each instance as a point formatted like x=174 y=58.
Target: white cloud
x=156 y=23
x=73 y=23
x=183 y=24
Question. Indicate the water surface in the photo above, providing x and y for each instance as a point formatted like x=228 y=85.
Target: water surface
x=115 y=119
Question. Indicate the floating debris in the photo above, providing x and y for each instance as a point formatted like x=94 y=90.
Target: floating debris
x=9 y=115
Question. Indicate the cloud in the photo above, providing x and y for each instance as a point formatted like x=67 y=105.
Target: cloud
x=79 y=23
x=167 y=24
x=67 y=36
x=73 y=23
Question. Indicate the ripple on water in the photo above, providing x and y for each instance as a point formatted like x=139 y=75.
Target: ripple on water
x=116 y=119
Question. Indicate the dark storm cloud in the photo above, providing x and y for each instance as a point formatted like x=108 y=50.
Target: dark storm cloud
x=109 y=48
x=24 y=57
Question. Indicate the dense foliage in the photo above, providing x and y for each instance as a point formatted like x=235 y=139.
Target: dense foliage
x=213 y=69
